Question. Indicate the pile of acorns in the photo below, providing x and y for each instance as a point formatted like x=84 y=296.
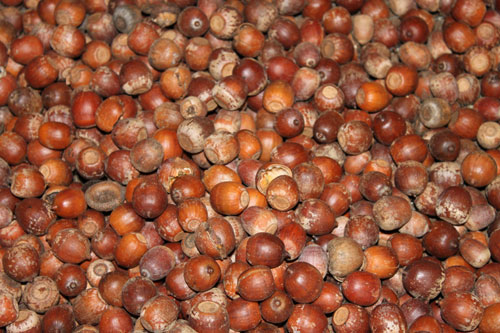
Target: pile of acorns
x=249 y=165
